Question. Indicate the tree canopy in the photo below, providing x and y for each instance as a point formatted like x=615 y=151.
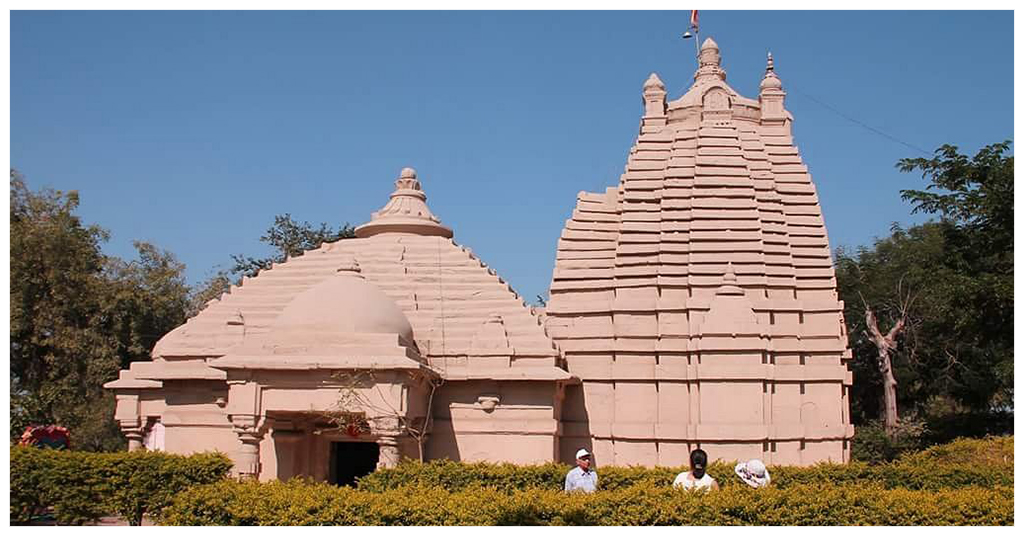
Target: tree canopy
x=78 y=316
x=956 y=353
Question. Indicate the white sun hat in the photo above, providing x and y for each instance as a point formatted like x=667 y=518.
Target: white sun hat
x=582 y=453
x=754 y=473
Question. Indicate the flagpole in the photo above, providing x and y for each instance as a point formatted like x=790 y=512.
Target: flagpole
x=696 y=43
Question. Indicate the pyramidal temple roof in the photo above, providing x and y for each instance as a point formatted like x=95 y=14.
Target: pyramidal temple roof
x=465 y=320
x=715 y=217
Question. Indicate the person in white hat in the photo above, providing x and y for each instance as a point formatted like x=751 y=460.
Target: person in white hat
x=754 y=473
x=582 y=477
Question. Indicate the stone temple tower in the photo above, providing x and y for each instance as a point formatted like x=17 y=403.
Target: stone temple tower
x=696 y=300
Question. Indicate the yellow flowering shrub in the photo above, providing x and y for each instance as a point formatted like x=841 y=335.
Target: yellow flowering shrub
x=303 y=503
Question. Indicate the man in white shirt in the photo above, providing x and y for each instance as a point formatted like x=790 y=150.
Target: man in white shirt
x=582 y=477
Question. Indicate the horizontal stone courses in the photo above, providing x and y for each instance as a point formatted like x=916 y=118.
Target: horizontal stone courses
x=737 y=245
x=679 y=173
x=794 y=188
x=681 y=162
x=725 y=213
x=591 y=273
x=717 y=142
x=592 y=226
x=631 y=175
x=562 y=255
x=636 y=164
x=712 y=132
x=570 y=234
x=643 y=184
x=778 y=160
x=585 y=245
x=581 y=215
x=770 y=140
x=575 y=284
x=703 y=172
x=642 y=195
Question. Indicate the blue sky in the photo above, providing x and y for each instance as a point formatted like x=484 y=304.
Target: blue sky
x=191 y=130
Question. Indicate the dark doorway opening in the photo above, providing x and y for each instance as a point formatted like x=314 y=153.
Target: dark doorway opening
x=351 y=460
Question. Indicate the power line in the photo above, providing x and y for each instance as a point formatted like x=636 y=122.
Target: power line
x=789 y=86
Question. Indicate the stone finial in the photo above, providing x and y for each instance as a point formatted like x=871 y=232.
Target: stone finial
x=710 y=61
x=654 y=100
x=405 y=212
x=654 y=84
x=729 y=284
x=771 y=80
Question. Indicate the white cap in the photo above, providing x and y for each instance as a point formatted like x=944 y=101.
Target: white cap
x=582 y=453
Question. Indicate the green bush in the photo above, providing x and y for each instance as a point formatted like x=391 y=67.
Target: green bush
x=977 y=462
x=81 y=487
x=300 y=502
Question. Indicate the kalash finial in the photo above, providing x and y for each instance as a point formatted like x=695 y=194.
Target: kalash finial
x=771 y=80
x=405 y=212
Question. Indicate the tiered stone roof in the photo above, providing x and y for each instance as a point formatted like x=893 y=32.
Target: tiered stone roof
x=713 y=181
x=466 y=321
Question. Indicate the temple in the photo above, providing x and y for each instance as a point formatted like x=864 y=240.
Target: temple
x=693 y=305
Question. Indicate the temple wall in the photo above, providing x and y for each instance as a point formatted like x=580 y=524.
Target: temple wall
x=522 y=427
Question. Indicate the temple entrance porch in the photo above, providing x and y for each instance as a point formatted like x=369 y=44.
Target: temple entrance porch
x=308 y=445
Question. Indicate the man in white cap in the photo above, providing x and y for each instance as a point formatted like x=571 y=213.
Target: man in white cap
x=754 y=473
x=582 y=477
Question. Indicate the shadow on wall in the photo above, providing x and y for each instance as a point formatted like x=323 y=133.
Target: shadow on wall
x=575 y=427
x=441 y=443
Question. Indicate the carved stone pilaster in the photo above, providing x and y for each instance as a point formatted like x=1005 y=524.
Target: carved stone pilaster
x=133 y=431
x=249 y=429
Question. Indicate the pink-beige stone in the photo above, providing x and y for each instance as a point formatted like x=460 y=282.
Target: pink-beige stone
x=710 y=318
x=693 y=305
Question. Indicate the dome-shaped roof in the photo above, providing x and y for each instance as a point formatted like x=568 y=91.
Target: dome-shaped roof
x=344 y=303
x=771 y=81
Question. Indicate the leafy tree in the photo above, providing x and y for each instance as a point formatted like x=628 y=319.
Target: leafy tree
x=289 y=239
x=79 y=316
x=974 y=199
x=955 y=352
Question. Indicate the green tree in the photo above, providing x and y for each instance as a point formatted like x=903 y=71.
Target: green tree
x=287 y=237
x=955 y=353
x=79 y=316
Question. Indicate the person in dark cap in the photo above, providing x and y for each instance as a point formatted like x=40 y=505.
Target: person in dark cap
x=697 y=477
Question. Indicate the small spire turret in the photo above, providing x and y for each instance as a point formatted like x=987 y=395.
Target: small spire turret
x=710 y=61
x=771 y=80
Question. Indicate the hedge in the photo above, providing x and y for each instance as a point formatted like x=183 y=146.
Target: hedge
x=962 y=463
x=299 y=502
x=81 y=487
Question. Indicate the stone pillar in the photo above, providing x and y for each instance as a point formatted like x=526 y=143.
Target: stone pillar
x=250 y=432
x=133 y=431
x=389 y=453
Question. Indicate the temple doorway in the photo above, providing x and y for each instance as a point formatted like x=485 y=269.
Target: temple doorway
x=351 y=460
